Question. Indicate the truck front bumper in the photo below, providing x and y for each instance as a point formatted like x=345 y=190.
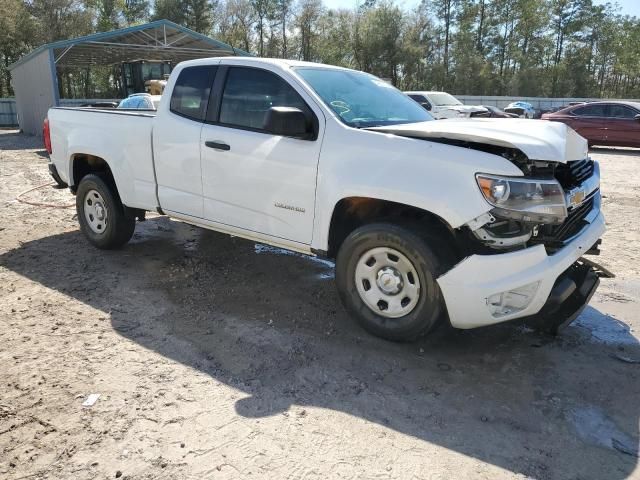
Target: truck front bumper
x=487 y=289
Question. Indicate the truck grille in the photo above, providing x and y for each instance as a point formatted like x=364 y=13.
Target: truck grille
x=555 y=236
x=572 y=174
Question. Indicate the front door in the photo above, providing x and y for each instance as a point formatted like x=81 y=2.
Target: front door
x=252 y=179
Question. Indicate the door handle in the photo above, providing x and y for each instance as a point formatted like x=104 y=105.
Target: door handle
x=217 y=145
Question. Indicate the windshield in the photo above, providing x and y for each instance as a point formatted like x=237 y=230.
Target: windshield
x=361 y=100
x=443 y=99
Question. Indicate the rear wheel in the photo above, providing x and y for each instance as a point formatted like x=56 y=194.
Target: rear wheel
x=386 y=278
x=102 y=217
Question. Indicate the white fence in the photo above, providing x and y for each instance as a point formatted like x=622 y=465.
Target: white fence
x=539 y=103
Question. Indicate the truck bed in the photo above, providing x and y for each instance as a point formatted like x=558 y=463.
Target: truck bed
x=122 y=136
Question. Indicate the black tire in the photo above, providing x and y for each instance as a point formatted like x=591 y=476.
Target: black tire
x=120 y=224
x=427 y=254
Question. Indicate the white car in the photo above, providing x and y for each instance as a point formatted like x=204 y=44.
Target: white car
x=443 y=105
x=521 y=109
x=472 y=222
x=140 y=101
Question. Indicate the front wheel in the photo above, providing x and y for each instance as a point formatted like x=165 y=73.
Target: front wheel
x=386 y=278
x=103 y=219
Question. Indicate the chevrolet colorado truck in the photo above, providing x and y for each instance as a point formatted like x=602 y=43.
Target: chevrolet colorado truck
x=471 y=221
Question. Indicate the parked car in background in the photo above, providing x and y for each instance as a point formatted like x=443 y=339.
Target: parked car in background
x=140 y=101
x=495 y=112
x=613 y=123
x=521 y=109
x=443 y=105
x=100 y=104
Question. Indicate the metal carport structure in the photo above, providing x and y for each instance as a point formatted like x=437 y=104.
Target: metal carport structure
x=34 y=77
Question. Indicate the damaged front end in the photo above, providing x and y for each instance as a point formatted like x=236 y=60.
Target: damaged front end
x=514 y=258
x=551 y=205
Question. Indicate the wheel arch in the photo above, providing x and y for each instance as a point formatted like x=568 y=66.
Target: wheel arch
x=83 y=164
x=353 y=212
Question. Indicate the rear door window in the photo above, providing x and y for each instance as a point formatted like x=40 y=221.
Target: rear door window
x=591 y=111
x=622 y=111
x=191 y=92
x=250 y=92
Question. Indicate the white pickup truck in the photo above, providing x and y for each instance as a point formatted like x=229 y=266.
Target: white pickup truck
x=469 y=221
x=444 y=105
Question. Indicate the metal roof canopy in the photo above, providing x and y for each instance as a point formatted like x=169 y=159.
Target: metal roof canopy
x=161 y=40
x=35 y=76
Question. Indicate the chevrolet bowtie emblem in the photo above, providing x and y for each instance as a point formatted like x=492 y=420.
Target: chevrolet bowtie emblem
x=576 y=198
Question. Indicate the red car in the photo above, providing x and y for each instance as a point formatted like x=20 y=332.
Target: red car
x=603 y=123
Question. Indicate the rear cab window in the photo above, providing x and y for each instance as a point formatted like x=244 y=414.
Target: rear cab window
x=190 y=94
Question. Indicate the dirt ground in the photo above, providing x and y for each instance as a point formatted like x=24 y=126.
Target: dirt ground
x=218 y=358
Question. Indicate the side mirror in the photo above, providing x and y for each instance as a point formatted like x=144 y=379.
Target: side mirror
x=637 y=118
x=287 y=121
x=426 y=105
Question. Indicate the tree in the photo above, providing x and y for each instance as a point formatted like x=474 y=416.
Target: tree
x=17 y=32
x=198 y=15
x=515 y=47
x=309 y=12
x=445 y=11
x=263 y=10
x=377 y=40
x=237 y=24
x=172 y=10
x=135 y=11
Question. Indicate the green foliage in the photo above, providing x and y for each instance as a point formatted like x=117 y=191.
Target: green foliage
x=571 y=48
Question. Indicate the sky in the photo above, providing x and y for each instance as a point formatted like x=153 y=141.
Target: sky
x=628 y=7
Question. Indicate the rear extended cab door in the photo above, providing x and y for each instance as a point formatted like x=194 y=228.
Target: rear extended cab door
x=176 y=138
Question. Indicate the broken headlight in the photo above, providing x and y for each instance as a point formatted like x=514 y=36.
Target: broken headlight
x=524 y=199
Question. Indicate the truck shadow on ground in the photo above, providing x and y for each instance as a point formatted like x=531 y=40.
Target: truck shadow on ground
x=269 y=323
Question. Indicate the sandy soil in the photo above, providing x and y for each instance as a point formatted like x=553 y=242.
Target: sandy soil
x=218 y=358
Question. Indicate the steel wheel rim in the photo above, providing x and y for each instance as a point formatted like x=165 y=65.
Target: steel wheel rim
x=387 y=282
x=95 y=211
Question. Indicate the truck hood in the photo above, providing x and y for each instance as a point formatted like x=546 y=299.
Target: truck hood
x=537 y=139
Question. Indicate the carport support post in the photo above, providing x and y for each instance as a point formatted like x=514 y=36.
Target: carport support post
x=54 y=79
